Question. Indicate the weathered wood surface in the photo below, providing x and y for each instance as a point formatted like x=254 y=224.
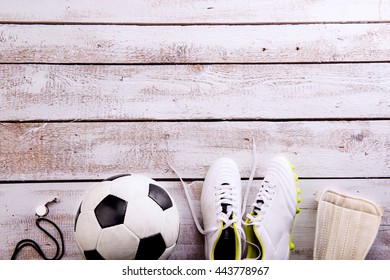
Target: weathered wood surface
x=194 y=44
x=192 y=12
x=18 y=202
x=90 y=89
x=66 y=151
x=185 y=92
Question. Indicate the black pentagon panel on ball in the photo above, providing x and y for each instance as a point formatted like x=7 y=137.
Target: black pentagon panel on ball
x=93 y=255
x=151 y=248
x=111 y=211
x=112 y=178
x=160 y=196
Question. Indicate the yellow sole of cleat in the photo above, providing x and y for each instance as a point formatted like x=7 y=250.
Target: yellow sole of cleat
x=295 y=177
x=298 y=191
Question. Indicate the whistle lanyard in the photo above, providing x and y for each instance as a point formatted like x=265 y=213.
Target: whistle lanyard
x=60 y=249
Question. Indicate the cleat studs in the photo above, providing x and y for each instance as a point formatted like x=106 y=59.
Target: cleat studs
x=292 y=167
x=295 y=177
x=298 y=210
x=292 y=246
x=298 y=190
x=299 y=200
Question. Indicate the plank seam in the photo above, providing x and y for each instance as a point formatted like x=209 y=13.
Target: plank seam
x=281 y=120
x=197 y=63
x=7 y=22
x=4 y=182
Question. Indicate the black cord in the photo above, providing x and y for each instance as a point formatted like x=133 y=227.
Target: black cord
x=60 y=250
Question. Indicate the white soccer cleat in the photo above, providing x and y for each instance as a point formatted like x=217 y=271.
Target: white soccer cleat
x=269 y=224
x=221 y=211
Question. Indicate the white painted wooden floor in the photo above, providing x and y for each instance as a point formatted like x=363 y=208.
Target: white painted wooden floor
x=90 y=89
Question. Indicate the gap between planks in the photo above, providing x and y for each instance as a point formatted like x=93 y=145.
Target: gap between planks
x=189 y=12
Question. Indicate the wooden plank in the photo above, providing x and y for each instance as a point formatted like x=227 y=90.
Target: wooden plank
x=67 y=151
x=18 y=201
x=194 y=44
x=185 y=92
x=156 y=12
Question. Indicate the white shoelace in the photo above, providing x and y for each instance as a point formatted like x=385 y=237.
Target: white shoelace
x=251 y=177
x=191 y=205
x=259 y=207
x=225 y=196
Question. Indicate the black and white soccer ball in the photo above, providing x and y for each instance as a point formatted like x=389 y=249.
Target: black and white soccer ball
x=127 y=217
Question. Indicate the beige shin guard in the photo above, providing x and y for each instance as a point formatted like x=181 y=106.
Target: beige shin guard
x=346 y=227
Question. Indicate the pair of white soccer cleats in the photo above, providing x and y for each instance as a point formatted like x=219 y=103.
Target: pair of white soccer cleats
x=265 y=232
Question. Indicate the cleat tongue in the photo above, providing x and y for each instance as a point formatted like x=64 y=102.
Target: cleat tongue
x=226 y=246
x=227 y=234
x=259 y=203
x=224 y=207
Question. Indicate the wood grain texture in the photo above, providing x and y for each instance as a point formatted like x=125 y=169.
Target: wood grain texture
x=90 y=89
x=18 y=202
x=185 y=92
x=67 y=151
x=194 y=44
x=177 y=12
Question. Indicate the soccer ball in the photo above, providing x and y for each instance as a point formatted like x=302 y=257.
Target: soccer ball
x=127 y=217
